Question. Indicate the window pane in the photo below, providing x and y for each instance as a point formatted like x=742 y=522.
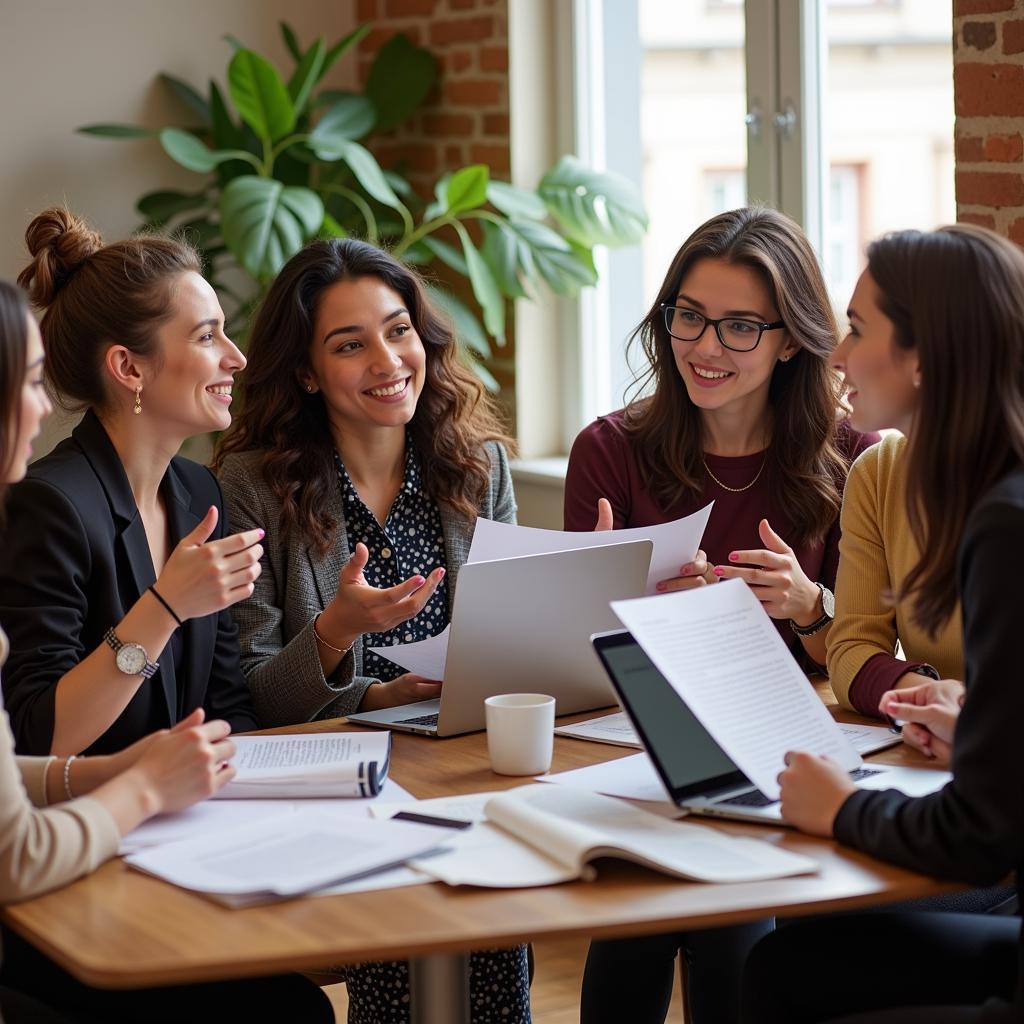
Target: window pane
x=692 y=109
x=888 y=126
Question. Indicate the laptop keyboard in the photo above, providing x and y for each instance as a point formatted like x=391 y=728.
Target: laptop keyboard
x=422 y=720
x=755 y=798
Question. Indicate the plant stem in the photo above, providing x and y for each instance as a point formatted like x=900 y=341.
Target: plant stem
x=363 y=206
x=291 y=140
x=427 y=228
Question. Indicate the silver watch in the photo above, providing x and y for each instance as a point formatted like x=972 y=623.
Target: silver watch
x=131 y=659
x=828 y=608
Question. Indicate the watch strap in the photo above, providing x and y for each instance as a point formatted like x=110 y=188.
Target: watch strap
x=818 y=624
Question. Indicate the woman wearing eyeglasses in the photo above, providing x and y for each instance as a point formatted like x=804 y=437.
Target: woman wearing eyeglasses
x=741 y=409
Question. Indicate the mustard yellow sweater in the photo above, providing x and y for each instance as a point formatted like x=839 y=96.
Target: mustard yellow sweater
x=875 y=554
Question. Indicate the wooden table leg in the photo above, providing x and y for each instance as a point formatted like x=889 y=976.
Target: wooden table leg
x=439 y=988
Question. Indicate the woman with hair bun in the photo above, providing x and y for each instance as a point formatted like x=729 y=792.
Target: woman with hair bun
x=59 y=822
x=118 y=567
x=367 y=450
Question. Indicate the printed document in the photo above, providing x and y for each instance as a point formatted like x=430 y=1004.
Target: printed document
x=722 y=654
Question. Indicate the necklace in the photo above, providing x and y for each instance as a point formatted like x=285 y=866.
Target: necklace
x=736 y=490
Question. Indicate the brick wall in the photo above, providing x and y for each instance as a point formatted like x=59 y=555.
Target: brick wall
x=988 y=79
x=465 y=119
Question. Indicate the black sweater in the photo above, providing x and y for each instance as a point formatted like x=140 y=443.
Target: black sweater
x=972 y=829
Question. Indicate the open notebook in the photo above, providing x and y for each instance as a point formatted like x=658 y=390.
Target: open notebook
x=542 y=835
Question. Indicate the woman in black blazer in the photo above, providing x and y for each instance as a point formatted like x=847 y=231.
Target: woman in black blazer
x=118 y=569
x=936 y=350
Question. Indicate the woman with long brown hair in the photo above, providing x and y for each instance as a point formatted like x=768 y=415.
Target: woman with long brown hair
x=935 y=350
x=741 y=408
x=366 y=451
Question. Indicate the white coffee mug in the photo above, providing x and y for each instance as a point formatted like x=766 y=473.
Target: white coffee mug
x=520 y=732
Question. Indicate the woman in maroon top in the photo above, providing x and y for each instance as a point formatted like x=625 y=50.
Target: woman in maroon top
x=744 y=411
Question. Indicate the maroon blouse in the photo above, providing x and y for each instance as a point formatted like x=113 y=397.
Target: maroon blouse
x=603 y=464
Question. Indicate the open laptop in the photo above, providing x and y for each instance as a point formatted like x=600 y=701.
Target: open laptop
x=696 y=773
x=524 y=624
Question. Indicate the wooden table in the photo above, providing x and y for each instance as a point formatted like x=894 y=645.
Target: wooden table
x=119 y=929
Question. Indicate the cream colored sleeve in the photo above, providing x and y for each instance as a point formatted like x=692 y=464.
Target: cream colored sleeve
x=43 y=848
x=865 y=623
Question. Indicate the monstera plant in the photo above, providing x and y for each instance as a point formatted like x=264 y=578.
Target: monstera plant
x=283 y=161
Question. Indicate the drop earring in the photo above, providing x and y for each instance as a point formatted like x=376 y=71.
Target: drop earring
x=138 y=401
x=309 y=388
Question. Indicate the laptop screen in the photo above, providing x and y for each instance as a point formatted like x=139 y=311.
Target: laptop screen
x=689 y=761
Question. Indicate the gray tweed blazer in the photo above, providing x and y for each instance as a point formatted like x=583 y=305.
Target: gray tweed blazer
x=279 y=655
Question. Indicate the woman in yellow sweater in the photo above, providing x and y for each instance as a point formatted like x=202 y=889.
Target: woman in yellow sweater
x=876 y=553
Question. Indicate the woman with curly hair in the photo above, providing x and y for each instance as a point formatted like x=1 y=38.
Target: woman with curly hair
x=366 y=451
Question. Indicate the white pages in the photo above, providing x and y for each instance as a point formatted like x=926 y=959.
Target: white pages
x=723 y=655
x=321 y=764
x=286 y=855
x=541 y=835
x=674 y=543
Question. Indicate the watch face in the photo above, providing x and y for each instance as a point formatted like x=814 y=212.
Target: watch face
x=131 y=659
x=828 y=602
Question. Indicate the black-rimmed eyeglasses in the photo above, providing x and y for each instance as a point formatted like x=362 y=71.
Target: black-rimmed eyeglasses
x=733 y=332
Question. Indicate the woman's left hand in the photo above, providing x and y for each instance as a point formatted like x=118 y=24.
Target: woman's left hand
x=776 y=578
x=813 y=790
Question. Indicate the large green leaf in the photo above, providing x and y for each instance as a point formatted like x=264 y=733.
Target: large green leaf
x=594 y=207
x=306 y=75
x=447 y=254
x=349 y=117
x=225 y=133
x=117 y=131
x=514 y=201
x=400 y=78
x=564 y=269
x=485 y=288
x=506 y=255
x=467 y=189
x=362 y=164
x=467 y=328
x=188 y=97
x=159 y=207
x=260 y=96
x=265 y=223
x=191 y=152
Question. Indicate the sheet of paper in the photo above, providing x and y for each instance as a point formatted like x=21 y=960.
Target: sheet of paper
x=615 y=729
x=631 y=777
x=466 y=807
x=424 y=657
x=866 y=739
x=675 y=543
x=288 y=854
x=223 y=816
x=723 y=655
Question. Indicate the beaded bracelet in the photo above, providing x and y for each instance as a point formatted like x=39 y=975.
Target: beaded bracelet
x=67 y=777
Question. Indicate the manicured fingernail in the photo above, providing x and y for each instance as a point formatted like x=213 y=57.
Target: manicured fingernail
x=685 y=570
x=262 y=533
x=733 y=557
x=719 y=571
x=441 y=573
x=418 y=580
x=661 y=586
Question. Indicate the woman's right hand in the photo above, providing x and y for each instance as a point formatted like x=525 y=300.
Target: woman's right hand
x=404 y=689
x=203 y=577
x=929 y=713
x=183 y=766
x=698 y=573
x=358 y=608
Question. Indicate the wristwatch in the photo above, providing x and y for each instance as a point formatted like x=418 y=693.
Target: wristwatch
x=131 y=659
x=828 y=608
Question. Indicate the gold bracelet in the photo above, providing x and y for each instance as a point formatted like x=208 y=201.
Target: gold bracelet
x=320 y=640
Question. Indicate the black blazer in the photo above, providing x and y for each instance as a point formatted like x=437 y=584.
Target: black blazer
x=73 y=559
x=972 y=829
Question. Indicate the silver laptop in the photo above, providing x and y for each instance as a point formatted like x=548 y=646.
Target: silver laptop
x=696 y=773
x=524 y=624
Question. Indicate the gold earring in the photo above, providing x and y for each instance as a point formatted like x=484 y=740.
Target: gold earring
x=309 y=388
x=138 y=401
